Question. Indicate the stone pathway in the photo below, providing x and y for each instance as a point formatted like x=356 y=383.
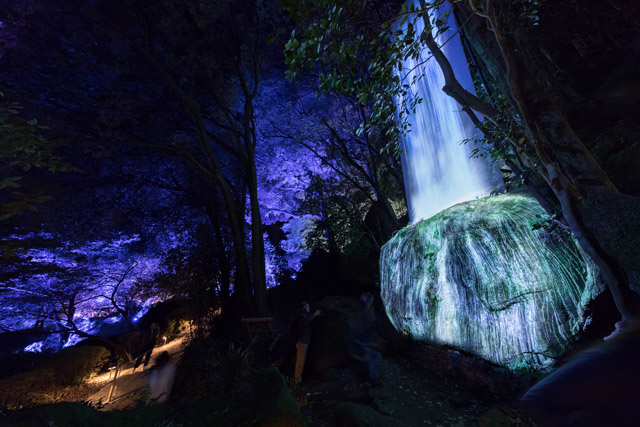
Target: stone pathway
x=133 y=387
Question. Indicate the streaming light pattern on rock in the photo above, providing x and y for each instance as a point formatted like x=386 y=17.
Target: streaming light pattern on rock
x=478 y=277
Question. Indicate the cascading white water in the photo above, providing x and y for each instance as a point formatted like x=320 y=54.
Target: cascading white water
x=469 y=273
x=436 y=160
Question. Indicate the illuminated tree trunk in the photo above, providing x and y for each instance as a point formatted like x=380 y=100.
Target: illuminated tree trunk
x=574 y=176
x=247 y=142
x=257 y=242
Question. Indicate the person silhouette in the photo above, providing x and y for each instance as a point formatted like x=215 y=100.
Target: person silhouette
x=361 y=338
x=303 y=337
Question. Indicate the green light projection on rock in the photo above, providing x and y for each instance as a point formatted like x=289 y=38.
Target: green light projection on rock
x=478 y=277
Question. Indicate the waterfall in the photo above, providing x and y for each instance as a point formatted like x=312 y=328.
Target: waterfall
x=471 y=271
x=436 y=154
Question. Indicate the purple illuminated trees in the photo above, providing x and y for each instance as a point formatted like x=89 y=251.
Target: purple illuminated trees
x=353 y=133
x=344 y=167
x=213 y=77
x=91 y=290
x=173 y=99
x=175 y=79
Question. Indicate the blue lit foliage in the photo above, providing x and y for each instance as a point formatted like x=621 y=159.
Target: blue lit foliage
x=149 y=168
x=339 y=44
x=55 y=285
x=154 y=92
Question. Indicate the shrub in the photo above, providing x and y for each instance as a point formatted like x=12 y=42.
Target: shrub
x=73 y=365
x=134 y=342
x=171 y=330
x=263 y=399
x=26 y=389
x=18 y=363
x=200 y=371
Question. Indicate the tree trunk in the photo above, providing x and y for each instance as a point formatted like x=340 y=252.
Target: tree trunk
x=574 y=176
x=242 y=283
x=257 y=240
x=221 y=257
x=115 y=345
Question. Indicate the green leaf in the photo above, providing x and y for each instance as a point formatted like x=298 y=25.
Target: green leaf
x=10 y=182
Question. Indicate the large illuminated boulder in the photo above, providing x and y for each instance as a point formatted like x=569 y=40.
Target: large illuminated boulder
x=480 y=277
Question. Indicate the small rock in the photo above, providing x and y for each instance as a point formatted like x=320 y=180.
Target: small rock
x=494 y=417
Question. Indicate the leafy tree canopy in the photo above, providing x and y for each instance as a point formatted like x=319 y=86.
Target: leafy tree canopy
x=358 y=48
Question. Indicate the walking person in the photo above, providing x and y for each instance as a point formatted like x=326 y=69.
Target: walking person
x=361 y=338
x=302 y=330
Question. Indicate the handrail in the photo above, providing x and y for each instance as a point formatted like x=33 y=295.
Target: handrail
x=123 y=366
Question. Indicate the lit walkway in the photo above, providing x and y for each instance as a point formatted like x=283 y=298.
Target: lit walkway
x=130 y=386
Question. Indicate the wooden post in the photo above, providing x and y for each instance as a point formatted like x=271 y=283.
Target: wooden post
x=248 y=320
x=275 y=340
x=271 y=327
x=113 y=388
